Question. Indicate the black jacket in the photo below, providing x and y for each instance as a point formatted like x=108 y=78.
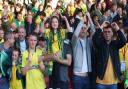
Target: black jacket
x=104 y=50
x=17 y=44
x=29 y=27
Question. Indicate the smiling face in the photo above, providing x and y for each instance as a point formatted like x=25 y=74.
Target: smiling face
x=55 y=23
x=21 y=33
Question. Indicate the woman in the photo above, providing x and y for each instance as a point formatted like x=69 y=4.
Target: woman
x=32 y=67
x=55 y=35
x=55 y=39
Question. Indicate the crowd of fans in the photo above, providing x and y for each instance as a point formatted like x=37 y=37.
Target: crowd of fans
x=63 y=44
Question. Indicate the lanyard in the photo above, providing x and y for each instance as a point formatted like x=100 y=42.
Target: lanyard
x=81 y=46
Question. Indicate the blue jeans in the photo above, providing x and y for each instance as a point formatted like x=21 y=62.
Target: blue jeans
x=102 y=86
x=63 y=85
x=81 y=82
x=4 y=83
x=57 y=84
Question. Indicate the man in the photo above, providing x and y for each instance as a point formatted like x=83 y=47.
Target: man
x=82 y=57
x=29 y=25
x=5 y=62
x=32 y=67
x=59 y=77
x=108 y=63
x=21 y=43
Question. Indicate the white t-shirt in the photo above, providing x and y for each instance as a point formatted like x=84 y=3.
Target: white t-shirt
x=22 y=46
x=84 y=65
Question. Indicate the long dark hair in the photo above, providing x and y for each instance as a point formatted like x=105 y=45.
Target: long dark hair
x=52 y=29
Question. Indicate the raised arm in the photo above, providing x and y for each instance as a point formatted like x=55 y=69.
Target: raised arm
x=76 y=33
x=90 y=24
x=67 y=23
x=96 y=38
x=78 y=29
x=121 y=38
